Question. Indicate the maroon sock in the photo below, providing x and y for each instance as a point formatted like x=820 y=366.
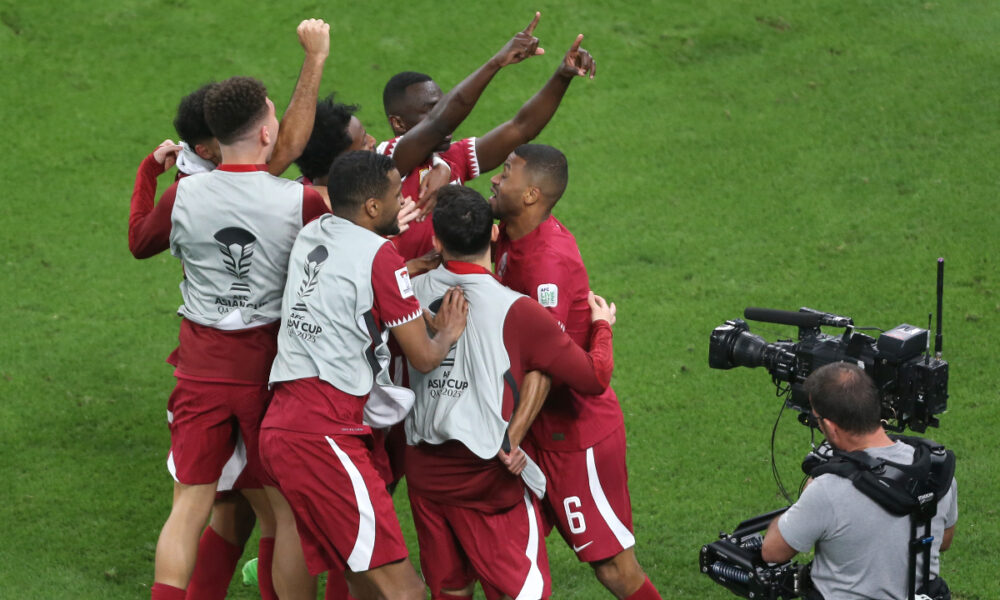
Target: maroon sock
x=162 y=591
x=217 y=559
x=265 y=555
x=645 y=592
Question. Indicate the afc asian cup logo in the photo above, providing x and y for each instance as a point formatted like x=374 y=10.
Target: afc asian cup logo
x=314 y=261
x=237 y=246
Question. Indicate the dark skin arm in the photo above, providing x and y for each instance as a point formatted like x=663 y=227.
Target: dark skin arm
x=420 y=141
x=492 y=149
x=424 y=352
x=297 y=122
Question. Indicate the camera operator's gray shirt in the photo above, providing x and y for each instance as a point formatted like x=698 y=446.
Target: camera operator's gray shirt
x=861 y=549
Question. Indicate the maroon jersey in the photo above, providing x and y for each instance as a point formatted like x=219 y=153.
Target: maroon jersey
x=461 y=158
x=546 y=265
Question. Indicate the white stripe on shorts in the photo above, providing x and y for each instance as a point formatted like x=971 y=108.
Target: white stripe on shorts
x=361 y=556
x=534 y=583
x=234 y=466
x=625 y=537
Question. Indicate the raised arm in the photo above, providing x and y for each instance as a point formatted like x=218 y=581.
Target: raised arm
x=536 y=113
x=418 y=143
x=297 y=122
x=149 y=226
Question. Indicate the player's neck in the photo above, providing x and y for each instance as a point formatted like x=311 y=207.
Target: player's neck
x=245 y=154
x=525 y=223
x=483 y=260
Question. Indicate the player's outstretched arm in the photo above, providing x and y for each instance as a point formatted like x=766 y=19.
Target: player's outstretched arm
x=297 y=122
x=425 y=352
x=492 y=149
x=450 y=111
x=534 y=389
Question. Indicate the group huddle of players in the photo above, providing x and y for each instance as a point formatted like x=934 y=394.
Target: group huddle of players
x=296 y=410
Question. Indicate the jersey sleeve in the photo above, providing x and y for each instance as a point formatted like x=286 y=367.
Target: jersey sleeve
x=149 y=225
x=549 y=282
x=313 y=206
x=395 y=302
x=545 y=347
x=462 y=158
x=806 y=521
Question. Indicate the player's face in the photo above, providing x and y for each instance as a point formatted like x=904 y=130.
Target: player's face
x=360 y=140
x=390 y=202
x=508 y=187
x=271 y=122
x=421 y=98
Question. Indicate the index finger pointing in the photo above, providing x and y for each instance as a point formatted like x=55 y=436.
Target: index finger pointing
x=534 y=23
x=576 y=44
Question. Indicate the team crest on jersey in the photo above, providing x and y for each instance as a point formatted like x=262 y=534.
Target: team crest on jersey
x=237 y=246
x=403 y=281
x=548 y=295
x=314 y=261
x=502 y=265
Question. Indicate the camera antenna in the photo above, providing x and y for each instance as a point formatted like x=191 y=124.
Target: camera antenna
x=940 y=298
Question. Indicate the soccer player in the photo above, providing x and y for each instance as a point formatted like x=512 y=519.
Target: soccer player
x=579 y=439
x=233 y=229
x=475 y=518
x=347 y=290
x=409 y=97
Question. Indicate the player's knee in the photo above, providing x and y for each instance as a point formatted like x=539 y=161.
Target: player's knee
x=620 y=574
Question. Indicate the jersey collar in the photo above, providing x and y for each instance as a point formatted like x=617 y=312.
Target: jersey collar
x=234 y=168
x=465 y=268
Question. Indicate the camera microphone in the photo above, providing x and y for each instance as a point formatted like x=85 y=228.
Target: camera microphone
x=807 y=317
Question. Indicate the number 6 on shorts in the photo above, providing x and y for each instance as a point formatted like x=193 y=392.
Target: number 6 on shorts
x=576 y=522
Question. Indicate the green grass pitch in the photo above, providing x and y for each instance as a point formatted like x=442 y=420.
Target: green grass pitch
x=781 y=153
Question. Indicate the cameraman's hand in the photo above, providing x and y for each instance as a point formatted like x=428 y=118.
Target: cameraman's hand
x=600 y=310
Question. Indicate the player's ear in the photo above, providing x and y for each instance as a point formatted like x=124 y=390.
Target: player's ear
x=397 y=124
x=203 y=151
x=495 y=233
x=437 y=244
x=373 y=207
x=531 y=195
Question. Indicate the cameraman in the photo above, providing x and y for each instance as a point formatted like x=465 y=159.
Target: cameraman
x=861 y=549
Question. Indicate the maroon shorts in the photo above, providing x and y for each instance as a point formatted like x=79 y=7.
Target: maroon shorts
x=213 y=433
x=505 y=550
x=587 y=497
x=343 y=512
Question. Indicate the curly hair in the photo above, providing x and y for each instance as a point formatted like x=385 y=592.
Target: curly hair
x=190 y=120
x=234 y=106
x=329 y=138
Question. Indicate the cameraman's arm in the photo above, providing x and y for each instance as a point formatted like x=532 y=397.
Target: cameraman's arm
x=946 y=538
x=775 y=548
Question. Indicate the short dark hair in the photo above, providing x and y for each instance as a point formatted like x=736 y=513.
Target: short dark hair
x=355 y=177
x=190 y=120
x=547 y=167
x=463 y=221
x=233 y=107
x=843 y=393
x=329 y=138
x=395 y=89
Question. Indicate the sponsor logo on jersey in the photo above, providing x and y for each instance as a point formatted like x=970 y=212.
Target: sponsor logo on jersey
x=548 y=295
x=403 y=281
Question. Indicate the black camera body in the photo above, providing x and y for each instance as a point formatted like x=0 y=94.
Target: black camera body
x=912 y=384
x=733 y=561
